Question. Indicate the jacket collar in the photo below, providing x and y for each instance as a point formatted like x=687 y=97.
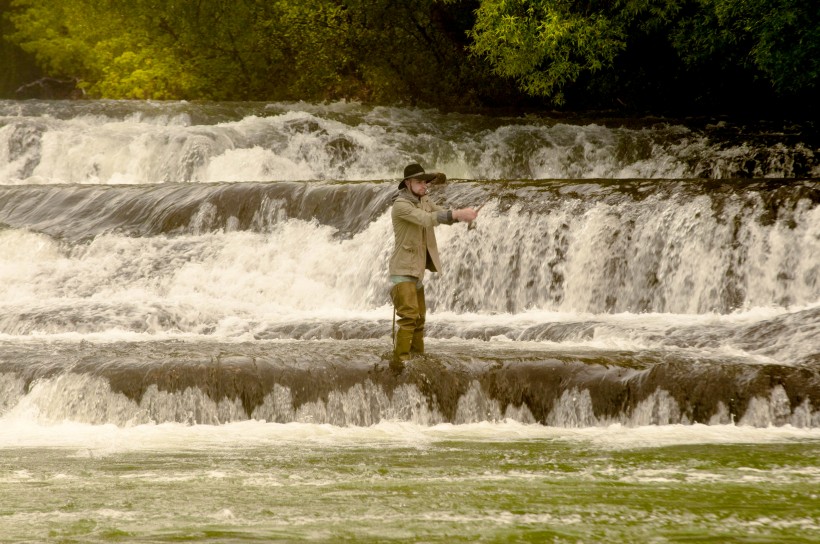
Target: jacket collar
x=405 y=194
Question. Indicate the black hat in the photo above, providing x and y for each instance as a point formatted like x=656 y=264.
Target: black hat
x=415 y=171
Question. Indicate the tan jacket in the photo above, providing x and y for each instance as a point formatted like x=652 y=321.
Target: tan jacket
x=413 y=222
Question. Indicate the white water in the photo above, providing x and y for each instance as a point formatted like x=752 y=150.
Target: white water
x=579 y=271
x=101 y=440
x=651 y=256
x=83 y=398
x=578 y=268
x=41 y=143
x=237 y=285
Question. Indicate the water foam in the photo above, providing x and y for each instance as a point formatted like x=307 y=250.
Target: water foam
x=87 y=399
x=120 y=142
x=110 y=439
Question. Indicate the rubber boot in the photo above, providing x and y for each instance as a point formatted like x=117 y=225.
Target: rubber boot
x=401 y=350
x=405 y=301
x=417 y=346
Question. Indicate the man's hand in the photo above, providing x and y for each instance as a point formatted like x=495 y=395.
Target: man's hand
x=465 y=215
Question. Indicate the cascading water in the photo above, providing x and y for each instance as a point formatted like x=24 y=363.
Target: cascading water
x=194 y=325
x=161 y=223
x=112 y=143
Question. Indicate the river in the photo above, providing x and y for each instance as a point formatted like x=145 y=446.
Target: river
x=194 y=326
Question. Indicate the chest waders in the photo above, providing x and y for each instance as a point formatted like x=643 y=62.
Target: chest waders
x=410 y=307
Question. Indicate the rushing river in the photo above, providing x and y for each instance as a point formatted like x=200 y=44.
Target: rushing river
x=194 y=323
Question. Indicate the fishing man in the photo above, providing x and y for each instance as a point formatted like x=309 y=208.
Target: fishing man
x=415 y=251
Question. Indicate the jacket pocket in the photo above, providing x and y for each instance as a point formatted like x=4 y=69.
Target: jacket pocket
x=407 y=257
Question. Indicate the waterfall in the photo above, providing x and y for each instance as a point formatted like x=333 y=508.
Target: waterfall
x=116 y=143
x=676 y=248
x=612 y=269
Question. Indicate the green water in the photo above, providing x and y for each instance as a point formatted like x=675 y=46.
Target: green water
x=476 y=490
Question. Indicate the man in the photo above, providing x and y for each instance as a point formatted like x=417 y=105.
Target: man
x=415 y=251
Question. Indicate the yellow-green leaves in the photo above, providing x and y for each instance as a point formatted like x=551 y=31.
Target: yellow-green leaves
x=543 y=45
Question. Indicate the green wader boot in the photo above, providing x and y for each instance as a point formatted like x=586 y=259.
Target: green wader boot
x=417 y=346
x=406 y=301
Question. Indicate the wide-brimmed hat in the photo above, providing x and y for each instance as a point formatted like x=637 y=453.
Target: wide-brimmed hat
x=415 y=171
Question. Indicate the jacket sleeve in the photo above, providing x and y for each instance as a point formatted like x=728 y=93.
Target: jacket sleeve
x=445 y=216
x=407 y=212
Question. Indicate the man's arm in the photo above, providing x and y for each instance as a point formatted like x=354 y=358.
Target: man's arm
x=448 y=217
x=439 y=216
x=407 y=212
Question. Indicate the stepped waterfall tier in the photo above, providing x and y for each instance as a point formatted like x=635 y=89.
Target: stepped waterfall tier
x=197 y=282
x=682 y=274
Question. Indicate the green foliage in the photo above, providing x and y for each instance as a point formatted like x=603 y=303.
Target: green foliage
x=778 y=39
x=43 y=30
x=441 y=52
x=543 y=44
x=548 y=45
x=99 y=44
x=380 y=50
x=407 y=49
x=161 y=49
x=18 y=67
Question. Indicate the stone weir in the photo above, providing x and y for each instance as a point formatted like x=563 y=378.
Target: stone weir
x=349 y=383
x=79 y=213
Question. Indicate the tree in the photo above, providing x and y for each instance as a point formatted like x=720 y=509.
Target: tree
x=96 y=43
x=544 y=45
x=384 y=50
x=547 y=46
x=448 y=53
x=777 y=40
x=19 y=67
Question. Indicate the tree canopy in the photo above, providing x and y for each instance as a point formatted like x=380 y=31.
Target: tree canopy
x=640 y=54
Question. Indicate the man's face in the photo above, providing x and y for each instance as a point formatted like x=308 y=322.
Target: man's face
x=418 y=187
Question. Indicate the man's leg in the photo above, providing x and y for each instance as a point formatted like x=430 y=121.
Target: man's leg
x=417 y=346
x=405 y=300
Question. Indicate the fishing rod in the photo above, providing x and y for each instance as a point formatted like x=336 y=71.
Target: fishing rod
x=493 y=194
x=471 y=224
